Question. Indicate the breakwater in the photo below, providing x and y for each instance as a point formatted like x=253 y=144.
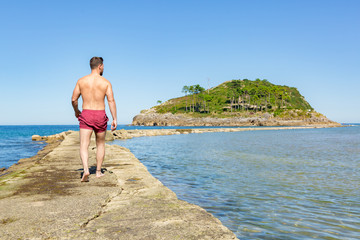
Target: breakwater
x=128 y=134
x=43 y=196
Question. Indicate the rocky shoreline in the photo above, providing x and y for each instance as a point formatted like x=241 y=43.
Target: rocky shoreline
x=151 y=118
x=128 y=134
x=42 y=198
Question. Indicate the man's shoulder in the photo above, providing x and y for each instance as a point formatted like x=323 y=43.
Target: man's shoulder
x=99 y=79
x=104 y=79
x=83 y=78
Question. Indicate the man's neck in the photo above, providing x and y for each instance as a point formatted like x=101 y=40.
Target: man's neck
x=95 y=72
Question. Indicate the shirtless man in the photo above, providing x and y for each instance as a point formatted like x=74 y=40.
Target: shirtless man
x=93 y=88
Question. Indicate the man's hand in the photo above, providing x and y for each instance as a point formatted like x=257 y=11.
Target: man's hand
x=113 y=125
x=77 y=114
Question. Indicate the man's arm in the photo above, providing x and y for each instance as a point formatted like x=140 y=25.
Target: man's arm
x=112 y=106
x=74 y=99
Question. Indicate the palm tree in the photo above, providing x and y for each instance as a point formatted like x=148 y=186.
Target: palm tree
x=246 y=96
x=231 y=94
x=185 y=90
x=198 y=90
x=192 y=91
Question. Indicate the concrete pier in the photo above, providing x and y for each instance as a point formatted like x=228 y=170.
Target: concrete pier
x=42 y=198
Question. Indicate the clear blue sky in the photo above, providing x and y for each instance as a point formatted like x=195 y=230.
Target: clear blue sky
x=151 y=49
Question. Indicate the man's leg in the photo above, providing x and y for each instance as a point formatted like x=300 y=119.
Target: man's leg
x=85 y=135
x=100 y=152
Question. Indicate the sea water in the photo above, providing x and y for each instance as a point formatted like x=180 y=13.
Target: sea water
x=274 y=184
x=16 y=143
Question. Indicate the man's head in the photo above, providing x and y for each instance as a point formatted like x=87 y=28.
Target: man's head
x=97 y=63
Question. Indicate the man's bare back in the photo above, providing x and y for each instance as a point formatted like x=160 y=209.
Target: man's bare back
x=93 y=88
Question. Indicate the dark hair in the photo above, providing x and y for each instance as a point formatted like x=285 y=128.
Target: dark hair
x=95 y=61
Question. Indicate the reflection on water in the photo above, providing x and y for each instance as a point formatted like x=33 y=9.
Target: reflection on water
x=288 y=184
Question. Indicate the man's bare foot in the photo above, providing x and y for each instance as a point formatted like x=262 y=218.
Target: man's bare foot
x=85 y=177
x=99 y=173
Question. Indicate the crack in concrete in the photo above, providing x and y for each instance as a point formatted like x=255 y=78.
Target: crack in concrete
x=101 y=211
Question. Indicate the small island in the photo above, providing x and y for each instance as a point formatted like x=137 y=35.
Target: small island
x=235 y=103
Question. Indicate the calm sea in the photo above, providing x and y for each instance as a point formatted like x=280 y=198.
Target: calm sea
x=15 y=141
x=285 y=184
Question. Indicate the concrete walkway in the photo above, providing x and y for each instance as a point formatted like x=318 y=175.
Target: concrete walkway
x=43 y=198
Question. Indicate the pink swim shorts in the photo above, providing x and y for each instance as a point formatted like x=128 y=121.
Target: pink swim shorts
x=94 y=120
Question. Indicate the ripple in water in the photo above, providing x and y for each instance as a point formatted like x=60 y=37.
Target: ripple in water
x=288 y=184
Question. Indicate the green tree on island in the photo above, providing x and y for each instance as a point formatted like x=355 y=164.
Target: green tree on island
x=185 y=90
x=236 y=97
